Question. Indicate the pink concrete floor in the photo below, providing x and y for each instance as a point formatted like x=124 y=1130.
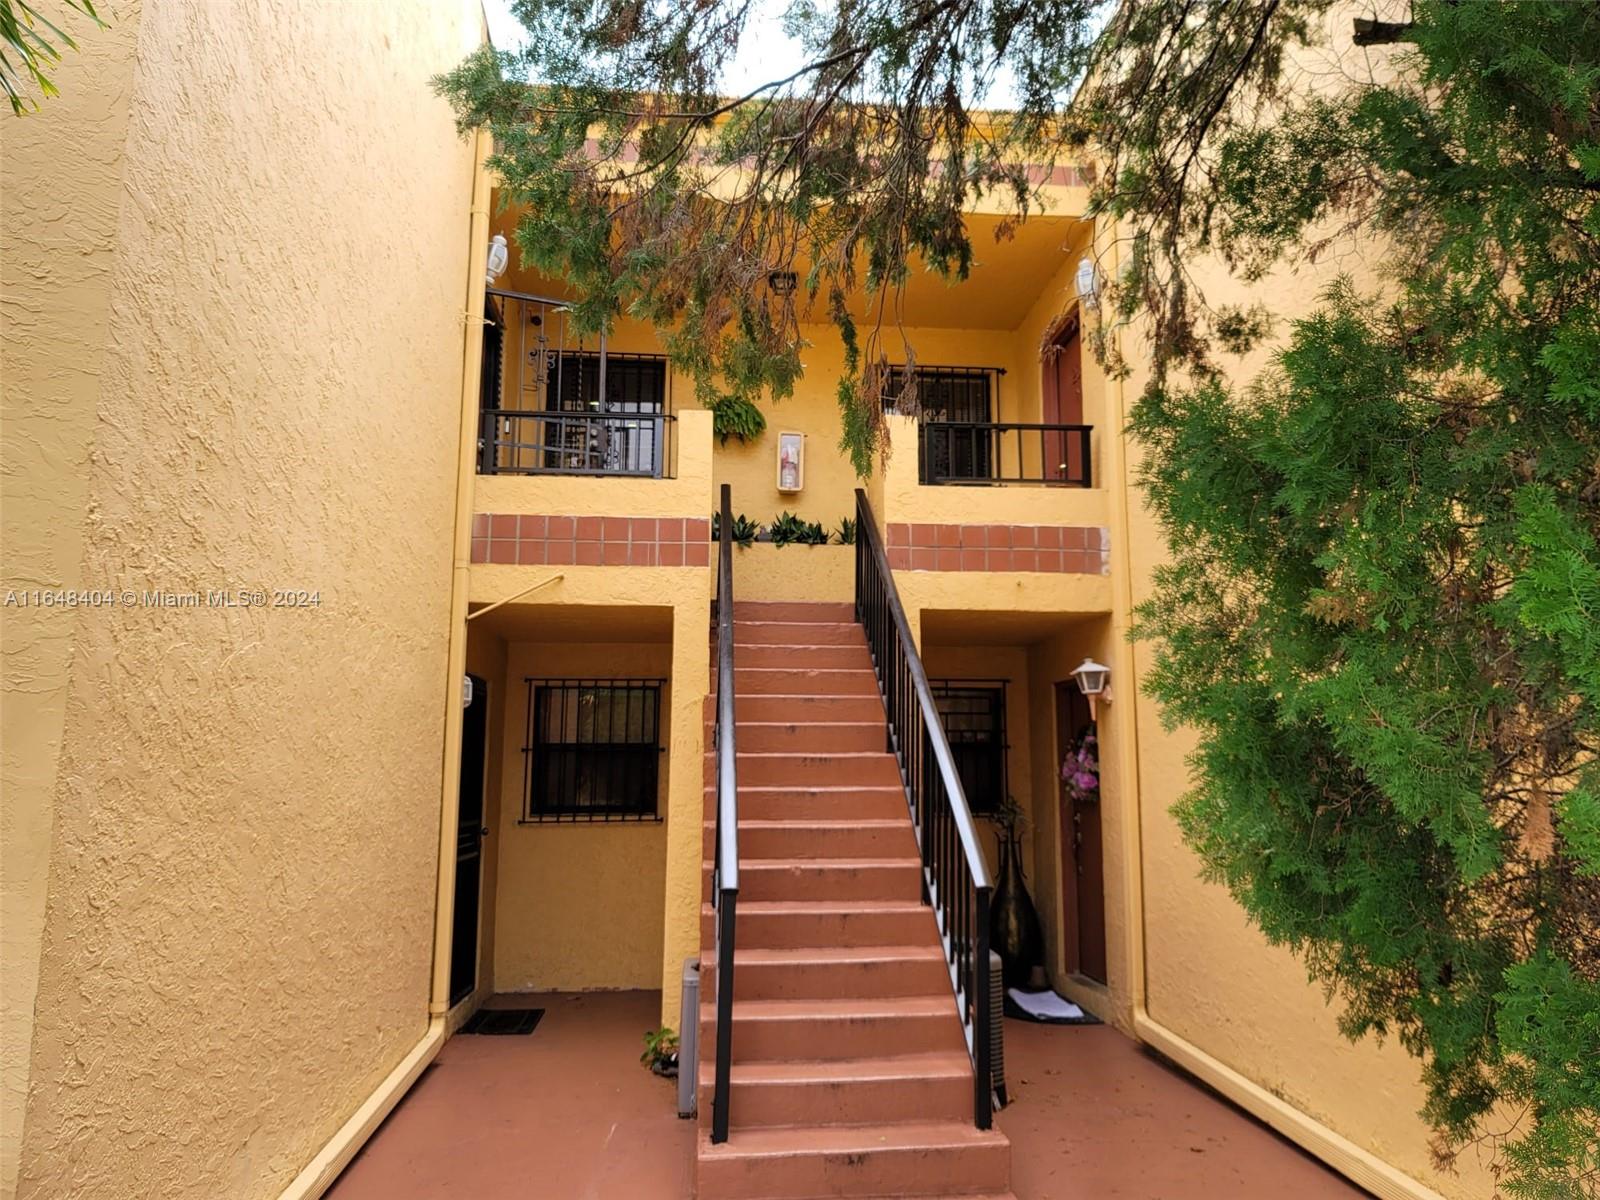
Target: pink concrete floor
x=569 y=1114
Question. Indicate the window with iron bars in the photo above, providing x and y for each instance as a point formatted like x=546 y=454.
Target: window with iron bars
x=974 y=719
x=959 y=394
x=593 y=750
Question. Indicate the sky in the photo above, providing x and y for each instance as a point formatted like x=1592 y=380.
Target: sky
x=765 y=51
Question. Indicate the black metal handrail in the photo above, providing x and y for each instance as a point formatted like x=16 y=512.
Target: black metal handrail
x=546 y=442
x=955 y=874
x=725 y=868
x=1004 y=452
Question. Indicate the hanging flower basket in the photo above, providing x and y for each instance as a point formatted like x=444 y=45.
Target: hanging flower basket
x=1080 y=770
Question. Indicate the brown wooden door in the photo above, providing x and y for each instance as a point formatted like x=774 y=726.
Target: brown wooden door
x=1061 y=370
x=1082 y=856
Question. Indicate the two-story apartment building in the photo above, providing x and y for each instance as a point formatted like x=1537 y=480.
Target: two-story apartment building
x=262 y=860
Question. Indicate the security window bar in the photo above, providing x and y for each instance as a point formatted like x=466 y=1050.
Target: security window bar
x=593 y=750
x=974 y=720
x=952 y=394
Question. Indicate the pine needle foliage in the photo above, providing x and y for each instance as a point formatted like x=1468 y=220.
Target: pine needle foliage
x=1382 y=610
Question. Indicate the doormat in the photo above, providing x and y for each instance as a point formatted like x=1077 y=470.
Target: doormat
x=503 y=1022
x=1046 y=1008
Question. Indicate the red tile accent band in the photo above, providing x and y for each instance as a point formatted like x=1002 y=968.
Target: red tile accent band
x=1060 y=549
x=531 y=539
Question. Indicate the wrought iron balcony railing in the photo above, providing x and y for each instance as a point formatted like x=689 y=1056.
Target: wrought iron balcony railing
x=995 y=452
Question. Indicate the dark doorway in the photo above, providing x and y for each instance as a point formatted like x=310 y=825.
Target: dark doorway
x=470 y=832
x=1062 y=403
x=1083 y=869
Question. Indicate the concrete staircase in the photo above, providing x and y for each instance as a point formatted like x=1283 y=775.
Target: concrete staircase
x=850 y=1073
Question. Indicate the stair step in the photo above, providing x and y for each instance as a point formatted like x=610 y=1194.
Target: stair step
x=803 y=736
x=902 y=1159
x=798 y=924
x=775 y=654
x=797 y=633
x=787 y=706
x=864 y=972
x=826 y=803
x=823 y=879
x=813 y=1030
x=857 y=1091
x=802 y=680
x=831 y=612
x=857 y=768
x=808 y=839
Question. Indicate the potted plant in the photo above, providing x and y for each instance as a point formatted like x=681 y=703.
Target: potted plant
x=661 y=1052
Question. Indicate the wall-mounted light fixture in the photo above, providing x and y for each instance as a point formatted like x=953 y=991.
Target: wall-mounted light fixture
x=1087 y=280
x=782 y=283
x=1093 y=680
x=499 y=258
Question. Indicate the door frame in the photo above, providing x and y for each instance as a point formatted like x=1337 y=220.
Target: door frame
x=1054 y=409
x=480 y=689
x=1070 y=711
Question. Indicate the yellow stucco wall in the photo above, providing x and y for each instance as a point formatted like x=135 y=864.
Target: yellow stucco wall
x=235 y=361
x=59 y=230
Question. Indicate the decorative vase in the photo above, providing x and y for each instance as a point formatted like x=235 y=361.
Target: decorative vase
x=1014 y=931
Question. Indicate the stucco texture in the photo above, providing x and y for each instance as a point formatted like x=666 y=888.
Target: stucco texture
x=237 y=929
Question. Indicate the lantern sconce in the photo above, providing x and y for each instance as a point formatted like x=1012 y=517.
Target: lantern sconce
x=1087 y=281
x=499 y=258
x=1093 y=680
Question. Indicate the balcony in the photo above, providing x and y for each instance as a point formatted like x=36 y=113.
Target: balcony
x=553 y=405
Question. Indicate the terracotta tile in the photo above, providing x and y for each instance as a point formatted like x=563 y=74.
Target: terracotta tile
x=614 y=553
x=900 y=558
x=1000 y=560
x=1074 y=537
x=1088 y=562
x=924 y=559
x=1025 y=560
x=480 y=525
x=1048 y=560
x=1049 y=537
x=480 y=549
x=949 y=535
x=697 y=554
x=899 y=534
x=999 y=538
x=558 y=554
x=530 y=553
x=924 y=535
x=561 y=527
x=502 y=550
x=949 y=560
x=586 y=554
x=972 y=559
x=642 y=554
x=588 y=529
x=502 y=526
x=614 y=529
x=670 y=554
x=643 y=529
x=697 y=529
x=669 y=529
x=1023 y=537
